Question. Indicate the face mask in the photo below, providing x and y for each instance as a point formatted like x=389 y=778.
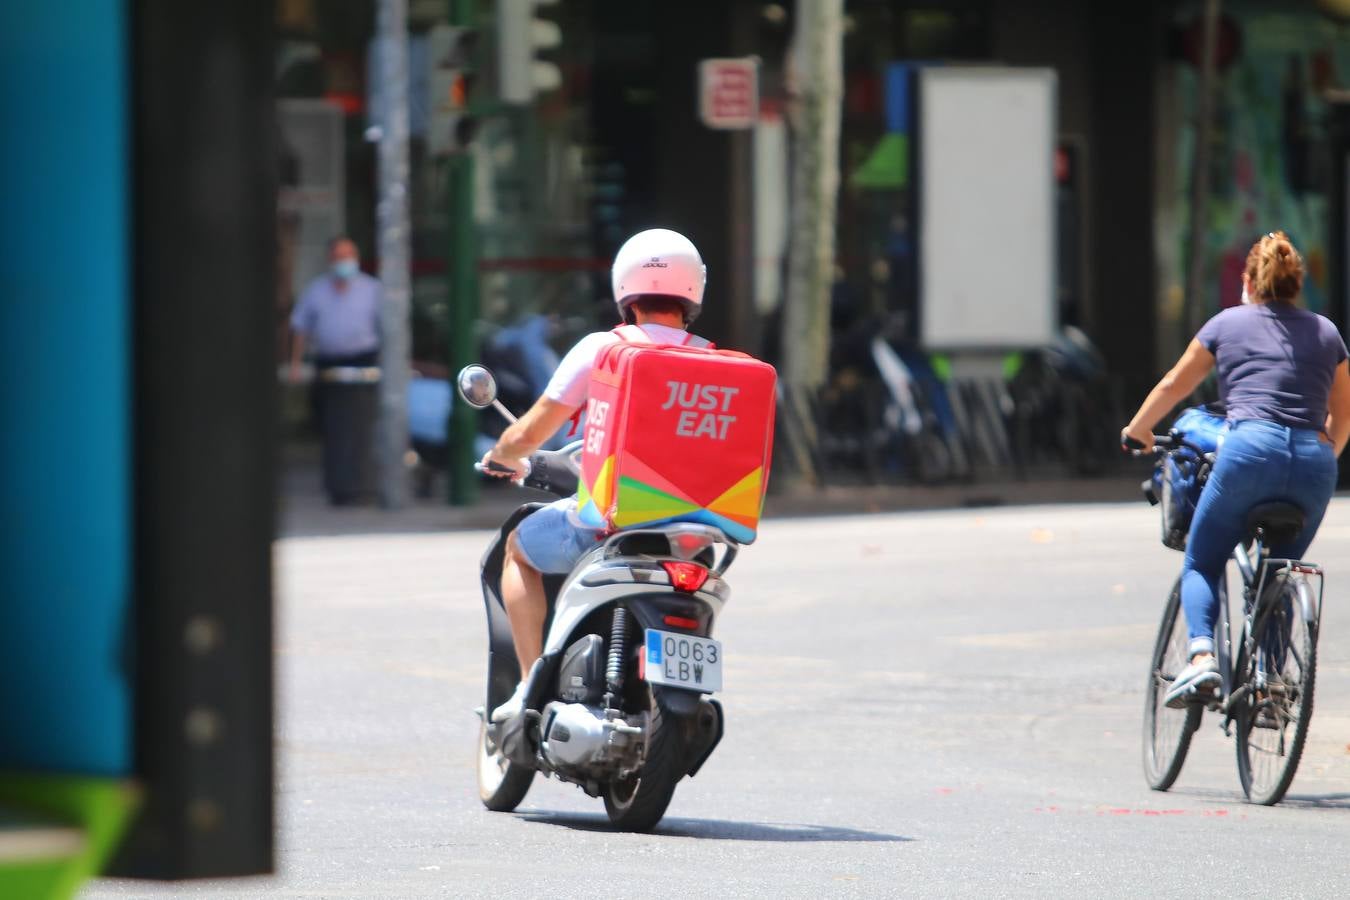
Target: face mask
x=1245 y=298
x=346 y=268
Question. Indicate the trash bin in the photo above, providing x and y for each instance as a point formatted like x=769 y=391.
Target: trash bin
x=349 y=398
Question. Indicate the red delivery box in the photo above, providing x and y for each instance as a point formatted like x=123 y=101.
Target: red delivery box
x=677 y=434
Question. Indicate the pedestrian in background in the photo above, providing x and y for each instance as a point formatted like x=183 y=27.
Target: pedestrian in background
x=338 y=321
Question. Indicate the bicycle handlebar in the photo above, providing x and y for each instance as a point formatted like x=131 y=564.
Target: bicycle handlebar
x=1162 y=443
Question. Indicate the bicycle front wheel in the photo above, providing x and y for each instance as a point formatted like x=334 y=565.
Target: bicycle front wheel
x=1167 y=732
x=1276 y=707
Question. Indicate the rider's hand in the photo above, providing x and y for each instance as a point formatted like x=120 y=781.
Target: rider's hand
x=516 y=466
x=1143 y=436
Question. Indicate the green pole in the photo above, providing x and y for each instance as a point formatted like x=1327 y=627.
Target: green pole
x=462 y=265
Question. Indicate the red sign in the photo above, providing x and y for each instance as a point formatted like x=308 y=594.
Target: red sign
x=728 y=93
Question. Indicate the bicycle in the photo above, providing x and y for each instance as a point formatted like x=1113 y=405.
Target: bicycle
x=1266 y=689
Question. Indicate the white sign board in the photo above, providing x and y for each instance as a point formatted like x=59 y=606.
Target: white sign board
x=987 y=207
x=728 y=96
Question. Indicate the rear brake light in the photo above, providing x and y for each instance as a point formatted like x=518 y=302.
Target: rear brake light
x=685 y=576
x=681 y=622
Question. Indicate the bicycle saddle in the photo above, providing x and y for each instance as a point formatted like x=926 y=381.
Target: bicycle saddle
x=1280 y=521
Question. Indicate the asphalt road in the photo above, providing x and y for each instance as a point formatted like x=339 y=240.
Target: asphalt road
x=925 y=704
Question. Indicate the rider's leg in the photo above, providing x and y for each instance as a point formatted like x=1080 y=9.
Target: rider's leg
x=526 y=605
x=1215 y=530
x=546 y=542
x=1244 y=465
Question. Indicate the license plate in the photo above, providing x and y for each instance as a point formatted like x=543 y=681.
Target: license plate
x=683 y=661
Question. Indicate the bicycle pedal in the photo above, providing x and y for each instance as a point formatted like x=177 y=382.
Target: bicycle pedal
x=1201 y=694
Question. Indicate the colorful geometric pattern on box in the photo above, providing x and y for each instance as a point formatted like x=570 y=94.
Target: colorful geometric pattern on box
x=676 y=434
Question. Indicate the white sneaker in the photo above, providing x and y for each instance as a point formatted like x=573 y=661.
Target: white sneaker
x=512 y=707
x=1198 y=678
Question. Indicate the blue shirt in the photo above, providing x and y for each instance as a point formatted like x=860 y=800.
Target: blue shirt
x=1275 y=362
x=340 y=322
x=429 y=401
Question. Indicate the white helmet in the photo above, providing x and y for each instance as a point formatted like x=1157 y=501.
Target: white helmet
x=659 y=261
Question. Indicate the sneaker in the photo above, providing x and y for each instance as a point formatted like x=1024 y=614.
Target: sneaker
x=512 y=707
x=1200 y=677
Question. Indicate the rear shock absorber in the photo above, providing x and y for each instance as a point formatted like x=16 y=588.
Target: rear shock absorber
x=614 y=666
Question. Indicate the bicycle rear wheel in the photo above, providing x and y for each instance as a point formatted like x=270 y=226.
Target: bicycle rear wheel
x=1274 y=712
x=1167 y=732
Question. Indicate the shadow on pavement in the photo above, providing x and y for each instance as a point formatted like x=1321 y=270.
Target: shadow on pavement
x=1235 y=800
x=719 y=830
x=1317 y=801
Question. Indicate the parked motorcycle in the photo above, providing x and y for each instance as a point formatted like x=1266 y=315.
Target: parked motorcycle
x=619 y=703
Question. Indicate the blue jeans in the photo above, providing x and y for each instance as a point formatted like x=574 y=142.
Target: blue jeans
x=1259 y=462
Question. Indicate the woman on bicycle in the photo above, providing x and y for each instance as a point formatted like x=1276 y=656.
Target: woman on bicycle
x=1283 y=377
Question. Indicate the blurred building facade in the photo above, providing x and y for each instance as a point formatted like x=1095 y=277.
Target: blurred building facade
x=1278 y=154
x=619 y=146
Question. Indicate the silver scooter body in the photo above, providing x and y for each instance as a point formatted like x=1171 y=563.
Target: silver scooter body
x=593 y=715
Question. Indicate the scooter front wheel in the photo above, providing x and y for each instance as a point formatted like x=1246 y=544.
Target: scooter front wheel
x=501 y=783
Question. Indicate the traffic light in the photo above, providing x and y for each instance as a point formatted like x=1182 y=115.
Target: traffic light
x=451 y=56
x=520 y=38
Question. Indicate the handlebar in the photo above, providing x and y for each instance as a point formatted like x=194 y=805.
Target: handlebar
x=1133 y=445
x=554 y=471
x=1162 y=443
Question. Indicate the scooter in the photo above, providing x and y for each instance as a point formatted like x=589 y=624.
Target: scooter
x=619 y=704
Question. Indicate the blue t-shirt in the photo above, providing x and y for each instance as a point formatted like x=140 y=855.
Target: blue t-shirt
x=1275 y=362
x=340 y=320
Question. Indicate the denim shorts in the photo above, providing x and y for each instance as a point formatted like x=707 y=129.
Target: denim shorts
x=552 y=540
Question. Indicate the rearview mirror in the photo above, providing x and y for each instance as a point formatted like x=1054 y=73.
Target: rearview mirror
x=477 y=386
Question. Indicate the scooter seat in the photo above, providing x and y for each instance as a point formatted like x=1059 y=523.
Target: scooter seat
x=1280 y=521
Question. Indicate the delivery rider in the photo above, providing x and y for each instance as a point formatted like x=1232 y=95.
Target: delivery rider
x=658 y=280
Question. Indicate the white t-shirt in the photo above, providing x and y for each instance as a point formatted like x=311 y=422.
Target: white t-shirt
x=568 y=385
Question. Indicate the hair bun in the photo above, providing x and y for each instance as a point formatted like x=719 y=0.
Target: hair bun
x=1279 y=274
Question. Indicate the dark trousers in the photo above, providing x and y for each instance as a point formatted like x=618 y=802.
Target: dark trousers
x=347 y=413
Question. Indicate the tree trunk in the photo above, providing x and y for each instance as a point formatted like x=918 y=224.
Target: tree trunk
x=816 y=87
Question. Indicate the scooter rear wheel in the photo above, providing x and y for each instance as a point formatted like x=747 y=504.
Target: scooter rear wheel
x=501 y=783
x=637 y=803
